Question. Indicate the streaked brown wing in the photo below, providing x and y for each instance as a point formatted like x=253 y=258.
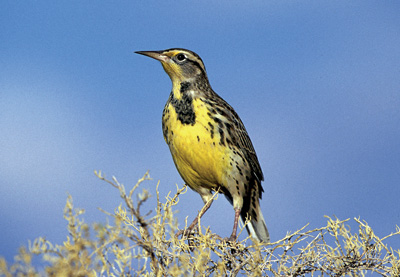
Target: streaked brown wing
x=240 y=137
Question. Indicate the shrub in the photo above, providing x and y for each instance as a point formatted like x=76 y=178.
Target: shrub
x=136 y=244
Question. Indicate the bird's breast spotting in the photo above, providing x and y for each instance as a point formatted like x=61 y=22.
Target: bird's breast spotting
x=195 y=142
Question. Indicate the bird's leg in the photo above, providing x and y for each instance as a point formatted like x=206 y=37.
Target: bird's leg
x=235 y=225
x=193 y=224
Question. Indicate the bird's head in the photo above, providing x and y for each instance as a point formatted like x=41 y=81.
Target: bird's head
x=180 y=64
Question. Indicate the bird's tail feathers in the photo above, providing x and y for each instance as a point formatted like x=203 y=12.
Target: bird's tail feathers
x=256 y=226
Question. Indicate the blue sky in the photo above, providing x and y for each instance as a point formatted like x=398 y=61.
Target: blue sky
x=315 y=82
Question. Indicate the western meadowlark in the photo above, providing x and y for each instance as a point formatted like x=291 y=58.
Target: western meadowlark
x=208 y=142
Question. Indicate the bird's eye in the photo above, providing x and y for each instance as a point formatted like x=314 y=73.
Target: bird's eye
x=180 y=57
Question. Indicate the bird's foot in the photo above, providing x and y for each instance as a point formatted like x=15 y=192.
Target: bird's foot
x=185 y=233
x=180 y=232
x=232 y=238
x=189 y=235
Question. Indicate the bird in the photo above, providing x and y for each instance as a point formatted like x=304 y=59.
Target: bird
x=209 y=144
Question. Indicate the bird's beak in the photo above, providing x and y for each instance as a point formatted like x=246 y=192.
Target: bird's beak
x=155 y=55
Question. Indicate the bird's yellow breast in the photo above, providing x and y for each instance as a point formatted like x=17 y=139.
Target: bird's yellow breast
x=196 y=150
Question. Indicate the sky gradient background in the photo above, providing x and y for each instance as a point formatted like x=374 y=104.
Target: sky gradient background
x=316 y=83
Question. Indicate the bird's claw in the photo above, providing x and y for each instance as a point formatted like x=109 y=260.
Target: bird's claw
x=185 y=233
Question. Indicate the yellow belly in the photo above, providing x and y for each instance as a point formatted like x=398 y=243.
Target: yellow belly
x=196 y=150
